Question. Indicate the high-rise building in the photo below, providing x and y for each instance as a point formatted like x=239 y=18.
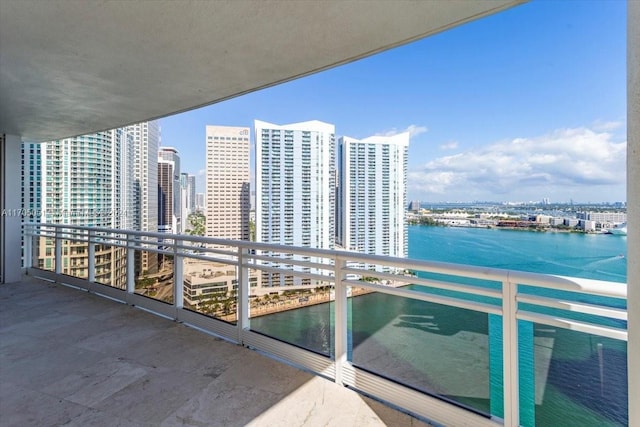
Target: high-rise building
x=87 y=180
x=146 y=139
x=31 y=181
x=372 y=194
x=191 y=193
x=200 y=203
x=169 y=210
x=295 y=188
x=184 y=208
x=227 y=182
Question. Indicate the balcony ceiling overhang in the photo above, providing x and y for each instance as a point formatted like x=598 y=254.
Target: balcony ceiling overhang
x=74 y=67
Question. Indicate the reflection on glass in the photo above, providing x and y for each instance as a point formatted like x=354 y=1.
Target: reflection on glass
x=154 y=275
x=299 y=313
x=110 y=266
x=431 y=347
x=581 y=379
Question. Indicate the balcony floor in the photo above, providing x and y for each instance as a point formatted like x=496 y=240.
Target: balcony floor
x=71 y=358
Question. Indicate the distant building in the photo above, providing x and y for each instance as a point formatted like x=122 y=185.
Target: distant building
x=602 y=217
x=295 y=189
x=169 y=211
x=200 y=202
x=191 y=193
x=571 y=222
x=184 y=201
x=556 y=221
x=414 y=205
x=372 y=194
x=228 y=180
x=146 y=139
x=205 y=280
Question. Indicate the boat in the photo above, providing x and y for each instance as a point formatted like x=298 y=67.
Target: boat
x=619 y=229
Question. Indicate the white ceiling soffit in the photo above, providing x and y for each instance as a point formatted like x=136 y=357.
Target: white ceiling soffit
x=74 y=67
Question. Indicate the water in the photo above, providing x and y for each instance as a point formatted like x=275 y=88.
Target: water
x=450 y=352
x=591 y=256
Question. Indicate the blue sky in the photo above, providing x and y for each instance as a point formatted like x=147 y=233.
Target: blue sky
x=522 y=105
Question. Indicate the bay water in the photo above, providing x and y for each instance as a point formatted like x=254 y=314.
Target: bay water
x=574 y=379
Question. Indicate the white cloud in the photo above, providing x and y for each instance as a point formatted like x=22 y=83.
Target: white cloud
x=449 y=145
x=602 y=126
x=202 y=172
x=414 y=130
x=566 y=161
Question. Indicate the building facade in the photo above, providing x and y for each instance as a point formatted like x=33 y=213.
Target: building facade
x=146 y=140
x=169 y=194
x=227 y=182
x=87 y=180
x=295 y=188
x=373 y=194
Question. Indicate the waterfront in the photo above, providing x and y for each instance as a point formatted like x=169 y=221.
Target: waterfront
x=448 y=351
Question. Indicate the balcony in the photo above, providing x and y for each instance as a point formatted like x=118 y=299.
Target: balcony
x=458 y=345
x=73 y=357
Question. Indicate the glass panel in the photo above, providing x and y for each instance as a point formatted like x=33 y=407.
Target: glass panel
x=580 y=379
x=44 y=254
x=434 y=348
x=111 y=265
x=154 y=275
x=210 y=288
x=293 y=309
x=76 y=262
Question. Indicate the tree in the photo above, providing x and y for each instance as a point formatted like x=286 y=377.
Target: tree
x=197 y=222
x=252 y=231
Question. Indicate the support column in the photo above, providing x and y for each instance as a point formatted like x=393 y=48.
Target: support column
x=633 y=208
x=10 y=208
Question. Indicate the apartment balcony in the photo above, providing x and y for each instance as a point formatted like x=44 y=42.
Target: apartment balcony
x=459 y=345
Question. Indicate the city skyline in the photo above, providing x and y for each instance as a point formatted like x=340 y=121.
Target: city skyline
x=494 y=112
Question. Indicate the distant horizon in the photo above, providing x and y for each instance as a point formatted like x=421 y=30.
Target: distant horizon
x=497 y=109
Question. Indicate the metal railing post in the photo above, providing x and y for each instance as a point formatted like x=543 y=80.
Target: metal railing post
x=58 y=252
x=510 y=354
x=91 y=261
x=178 y=278
x=131 y=260
x=243 y=294
x=341 y=327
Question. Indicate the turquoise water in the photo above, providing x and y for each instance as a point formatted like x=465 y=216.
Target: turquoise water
x=591 y=256
x=453 y=353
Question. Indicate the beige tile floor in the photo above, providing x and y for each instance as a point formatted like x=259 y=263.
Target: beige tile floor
x=69 y=358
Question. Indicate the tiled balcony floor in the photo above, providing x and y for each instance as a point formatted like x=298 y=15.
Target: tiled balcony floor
x=69 y=358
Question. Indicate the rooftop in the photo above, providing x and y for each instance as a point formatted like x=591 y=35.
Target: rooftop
x=73 y=358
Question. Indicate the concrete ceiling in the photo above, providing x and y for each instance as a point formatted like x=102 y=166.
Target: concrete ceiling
x=72 y=67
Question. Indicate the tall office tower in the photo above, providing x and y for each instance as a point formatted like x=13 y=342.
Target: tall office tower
x=295 y=188
x=227 y=185
x=372 y=194
x=86 y=180
x=186 y=199
x=169 y=211
x=146 y=138
x=200 y=203
x=191 y=193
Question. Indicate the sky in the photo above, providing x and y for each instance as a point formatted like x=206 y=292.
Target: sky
x=523 y=105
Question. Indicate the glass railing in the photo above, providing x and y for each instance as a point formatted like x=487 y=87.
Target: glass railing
x=453 y=343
